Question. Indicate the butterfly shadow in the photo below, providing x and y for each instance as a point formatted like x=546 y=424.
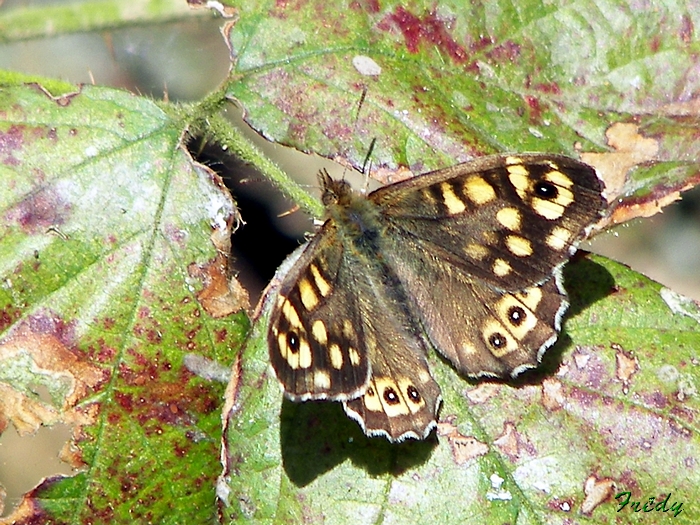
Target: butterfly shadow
x=316 y=436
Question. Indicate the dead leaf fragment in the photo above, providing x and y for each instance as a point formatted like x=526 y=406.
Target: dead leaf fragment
x=220 y=295
x=464 y=448
x=630 y=149
x=596 y=491
x=627 y=366
x=552 y=396
x=42 y=359
x=483 y=392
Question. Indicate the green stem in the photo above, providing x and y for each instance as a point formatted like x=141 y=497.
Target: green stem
x=237 y=144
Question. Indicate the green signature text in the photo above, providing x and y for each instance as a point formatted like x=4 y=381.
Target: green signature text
x=637 y=506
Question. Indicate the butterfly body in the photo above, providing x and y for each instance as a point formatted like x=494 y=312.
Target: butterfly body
x=465 y=260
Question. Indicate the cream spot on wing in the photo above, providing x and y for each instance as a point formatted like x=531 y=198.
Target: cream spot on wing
x=371 y=399
x=349 y=330
x=479 y=190
x=490 y=237
x=290 y=314
x=501 y=268
x=476 y=251
x=282 y=344
x=308 y=295
x=558 y=178
x=354 y=356
x=323 y=286
x=305 y=359
x=509 y=218
x=468 y=348
x=424 y=376
x=559 y=238
x=550 y=210
x=319 y=332
x=453 y=203
x=530 y=297
x=519 y=246
x=322 y=380
x=519 y=177
x=336 y=356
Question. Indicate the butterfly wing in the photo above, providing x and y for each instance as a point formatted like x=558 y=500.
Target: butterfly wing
x=479 y=247
x=402 y=398
x=507 y=221
x=483 y=331
x=334 y=334
x=315 y=352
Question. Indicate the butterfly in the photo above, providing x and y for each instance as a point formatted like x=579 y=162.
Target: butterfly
x=465 y=260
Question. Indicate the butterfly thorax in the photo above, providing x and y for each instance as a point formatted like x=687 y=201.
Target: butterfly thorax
x=355 y=217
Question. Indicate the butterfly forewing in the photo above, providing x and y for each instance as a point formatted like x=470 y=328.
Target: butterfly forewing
x=316 y=351
x=508 y=221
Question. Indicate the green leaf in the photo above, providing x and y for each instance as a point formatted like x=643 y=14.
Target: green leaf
x=110 y=231
x=110 y=248
x=25 y=22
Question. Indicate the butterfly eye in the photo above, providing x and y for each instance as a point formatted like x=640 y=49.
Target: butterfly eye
x=546 y=190
x=390 y=396
x=413 y=394
x=497 y=340
x=516 y=315
x=293 y=341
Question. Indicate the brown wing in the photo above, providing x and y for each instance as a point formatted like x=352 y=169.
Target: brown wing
x=479 y=248
x=481 y=330
x=315 y=349
x=508 y=221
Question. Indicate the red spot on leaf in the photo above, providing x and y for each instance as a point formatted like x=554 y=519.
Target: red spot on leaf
x=11 y=141
x=430 y=30
x=125 y=401
x=179 y=451
x=550 y=88
x=655 y=43
x=8 y=316
x=221 y=335
x=48 y=324
x=507 y=52
x=535 y=109
x=40 y=211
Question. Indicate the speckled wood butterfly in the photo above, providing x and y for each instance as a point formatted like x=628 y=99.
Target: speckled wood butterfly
x=466 y=260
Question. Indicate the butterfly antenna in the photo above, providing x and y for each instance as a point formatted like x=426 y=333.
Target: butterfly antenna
x=367 y=163
x=359 y=104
